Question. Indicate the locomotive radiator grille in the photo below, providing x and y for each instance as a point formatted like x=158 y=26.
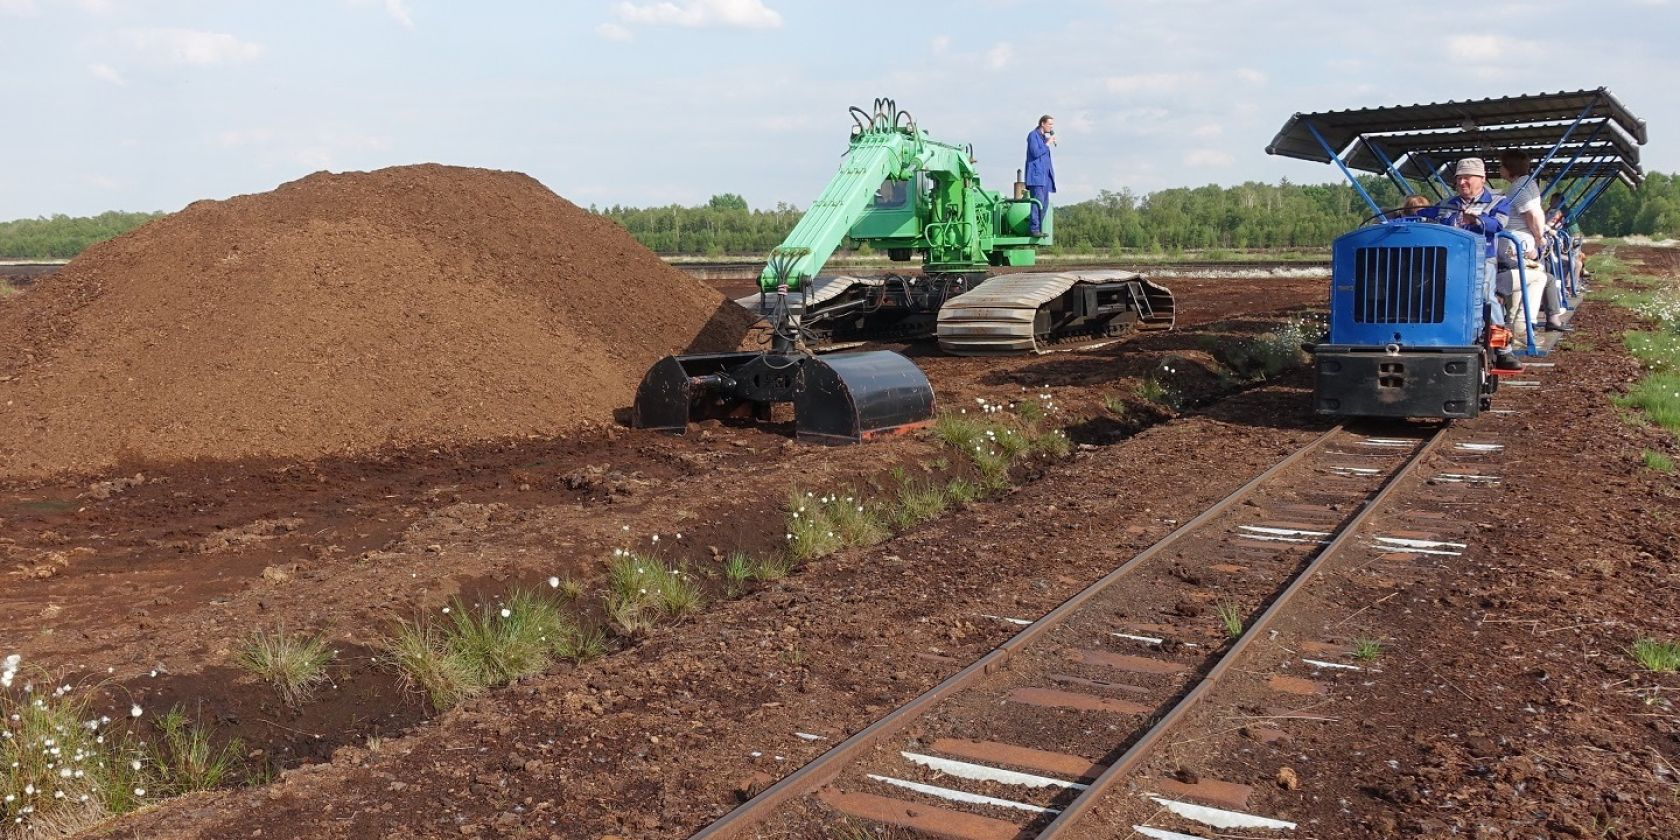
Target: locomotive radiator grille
x=1405 y=285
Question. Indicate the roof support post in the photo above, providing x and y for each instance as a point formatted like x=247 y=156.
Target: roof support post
x=1375 y=210
x=1388 y=164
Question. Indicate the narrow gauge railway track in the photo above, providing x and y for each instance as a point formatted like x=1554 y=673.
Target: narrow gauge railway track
x=1023 y=741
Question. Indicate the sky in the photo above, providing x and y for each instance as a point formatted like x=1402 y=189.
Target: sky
x=153 y=104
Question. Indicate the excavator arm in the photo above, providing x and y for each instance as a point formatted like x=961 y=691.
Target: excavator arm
x=885 y=146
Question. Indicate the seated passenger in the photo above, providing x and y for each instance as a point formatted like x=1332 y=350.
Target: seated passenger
x=1412 y=205
x=1528 y=224
x=1477 y=209
x=1557 y=219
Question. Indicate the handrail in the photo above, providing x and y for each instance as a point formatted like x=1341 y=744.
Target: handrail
x=1522 y=285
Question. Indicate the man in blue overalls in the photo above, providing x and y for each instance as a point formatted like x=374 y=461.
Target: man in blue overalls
x=1477 y=209
x=1041 y=172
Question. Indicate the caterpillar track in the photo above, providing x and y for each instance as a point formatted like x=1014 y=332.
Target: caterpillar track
x=1015 y=314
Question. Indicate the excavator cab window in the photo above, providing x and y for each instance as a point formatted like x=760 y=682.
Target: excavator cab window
x=892 y=195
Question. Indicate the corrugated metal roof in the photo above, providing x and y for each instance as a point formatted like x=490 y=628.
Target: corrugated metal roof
x=1341 y=128
x=1629 y=174
x=1536 y=140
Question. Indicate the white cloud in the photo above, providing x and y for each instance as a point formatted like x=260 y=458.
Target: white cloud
x=940 y=44
x=741 y=14
x=191 y=46
x=613 y=32
x=1481 y=49
x=106 y=73
x=1206 y=131
x=397 y=9
x=998 y=57
x=1208 y=158
x=18 y=8
x=1250 y=76
x=1148 y=82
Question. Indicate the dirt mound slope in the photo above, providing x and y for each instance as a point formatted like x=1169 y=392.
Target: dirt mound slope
x=342 y=313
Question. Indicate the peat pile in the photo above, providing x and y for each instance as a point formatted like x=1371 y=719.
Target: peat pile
x=417 y=305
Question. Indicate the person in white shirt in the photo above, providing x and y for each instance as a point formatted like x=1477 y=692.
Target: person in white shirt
x=1528 y=223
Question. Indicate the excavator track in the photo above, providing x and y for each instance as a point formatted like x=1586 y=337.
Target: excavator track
x=841 y=310
x=1017 y=314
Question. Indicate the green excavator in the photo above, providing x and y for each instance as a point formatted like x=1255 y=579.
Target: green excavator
x=903 y=193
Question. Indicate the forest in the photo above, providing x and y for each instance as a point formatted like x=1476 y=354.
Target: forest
x=1247 y=216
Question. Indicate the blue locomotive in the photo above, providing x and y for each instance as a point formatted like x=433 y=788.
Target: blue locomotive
x=1407 y=334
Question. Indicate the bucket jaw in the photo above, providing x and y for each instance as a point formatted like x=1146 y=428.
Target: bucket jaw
x=837 y=398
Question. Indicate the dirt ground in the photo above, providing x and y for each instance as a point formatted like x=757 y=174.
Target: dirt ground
x=156 y=574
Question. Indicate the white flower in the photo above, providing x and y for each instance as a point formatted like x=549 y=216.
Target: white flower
x=139 y=791
x=554 y=583
x=135 y=711
x=656 y=538
x=506 y=612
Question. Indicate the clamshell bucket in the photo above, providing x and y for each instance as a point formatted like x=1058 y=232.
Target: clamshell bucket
x=837 y=398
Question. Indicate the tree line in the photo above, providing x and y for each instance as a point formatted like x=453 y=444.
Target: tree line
x=1251 y=215
x=62 y=237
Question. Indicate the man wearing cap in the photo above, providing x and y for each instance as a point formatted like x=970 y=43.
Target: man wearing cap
x=1477 y=209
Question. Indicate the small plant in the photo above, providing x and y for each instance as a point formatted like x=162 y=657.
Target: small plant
x=631 y=617
x=647 y=583
x=772 y=567
x=918 y=503
x=1031 y=411
x=1153 y=391
x=295 y=664
x=1367 y=649
x=581 y=645
x=1657 y=657
x=821 y=525
x=1231 y=618
x=962 y=491
x=428 y=665
x=505 y=642
x=958 y=431
x=1658 y=461
x=46 y=733
x=184 y=759
x=1053 y=444
x=1116 y=405
x=470 y=651
x=567 y=587
x=738 y=571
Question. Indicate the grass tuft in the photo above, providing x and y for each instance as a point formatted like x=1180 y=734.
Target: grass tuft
x=1657 y=657
x=1657 y=461
x=42 y=734
x=295 y=664
x=1367 y=649
x=918 y=503
x=821 y=525
x=469 y=651
x=1230 y=618
x=185 y=760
